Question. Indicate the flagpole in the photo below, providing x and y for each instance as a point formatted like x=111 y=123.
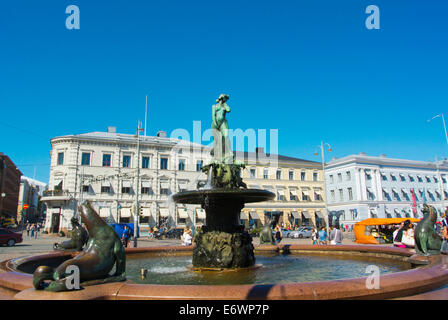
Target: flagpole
x=146 y=112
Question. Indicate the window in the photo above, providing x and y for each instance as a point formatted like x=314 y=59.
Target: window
x=265 y=173
x=348 y=175
x=443 y=179
x=164 y=191
x=402 y=177
x=85 y=159
x=387 y=196
x=394 y=178
x=303 y=175
x=145 y=162
x=252 y=173
x=291 y=175
x=279 y=174
x=126 y=161
x=331 y=178
x=199 y=165
x=85 y=188
x=106 y=160
x=304 y=197
x=146 y=190
x=181 y=164
x=339 y=177
x=428 y=179
x=397 y=196
x=60 y=158
x=341 y=194
x=332 y=195
x=126 y=190
x=350 y=193
x=384 y=177
x=411 y=178
x=405 y=195
x=370 y=195
x=368 y=176
x=105 y=189
x=419 y=179
x=314 y=176
x=163 y=163
x=317 y=196
x=436 y=180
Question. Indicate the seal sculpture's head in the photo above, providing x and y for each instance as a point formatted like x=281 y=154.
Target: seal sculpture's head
x=104 y=250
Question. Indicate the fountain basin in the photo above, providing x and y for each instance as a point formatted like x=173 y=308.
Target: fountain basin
x=18 y=285
x=236 y=195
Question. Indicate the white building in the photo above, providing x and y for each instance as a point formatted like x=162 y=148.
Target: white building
x=29 y=192
x=360 y=187
x=102 y=167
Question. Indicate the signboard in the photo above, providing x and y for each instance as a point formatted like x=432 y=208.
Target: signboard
x=25 y=206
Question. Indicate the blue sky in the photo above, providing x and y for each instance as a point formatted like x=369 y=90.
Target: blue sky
x=310 y=69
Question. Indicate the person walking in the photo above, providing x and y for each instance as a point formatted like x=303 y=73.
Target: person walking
x=36 y=230
x=336 y=236
x=444 y=249
x=32 y=228
x=314 y=236
x=323 y=236
x=28 y=228
x=278 y=235
x=126 y=236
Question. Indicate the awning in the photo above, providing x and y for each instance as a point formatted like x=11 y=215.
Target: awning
x=105 y=212
x=293 y=192
x=281 y=192
x=254 y=215
x=201 y=213
x=243 y=216
x=419 y=176
x=404 y=190
x=125 y=212
x=438 y=192
x=57 y=183
x=395 y=190
x=370 y=190
x=320 y=214
x=420 y=189
x=306 y=192
x=392 y=174
x=295 y=214
x=146 y=212
x=146 y=183
x=386 y=190
x=430 y=191
x=402 y=175
x=318 y=191
x=306 y=214
x=126 y=183
x=183 y=213
x=164 y=184
x=164 y=212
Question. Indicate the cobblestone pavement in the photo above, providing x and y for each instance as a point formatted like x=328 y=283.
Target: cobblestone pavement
x=44 y=243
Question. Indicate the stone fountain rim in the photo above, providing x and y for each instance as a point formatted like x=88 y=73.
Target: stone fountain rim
x=394 y=285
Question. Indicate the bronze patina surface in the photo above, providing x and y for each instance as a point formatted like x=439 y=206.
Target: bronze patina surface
x=78 y=238
x=427 y=241
x=104 y=250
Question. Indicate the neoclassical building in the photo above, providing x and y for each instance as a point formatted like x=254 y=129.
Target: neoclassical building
x=118 y=174
x=361 y=186
x=298 y=185
x=112 y=169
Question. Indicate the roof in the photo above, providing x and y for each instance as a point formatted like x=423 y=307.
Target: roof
x=262 y=157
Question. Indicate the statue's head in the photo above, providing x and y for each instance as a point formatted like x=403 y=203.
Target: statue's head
x=223 y=98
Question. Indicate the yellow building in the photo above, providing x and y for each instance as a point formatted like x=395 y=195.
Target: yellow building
x=297 y=183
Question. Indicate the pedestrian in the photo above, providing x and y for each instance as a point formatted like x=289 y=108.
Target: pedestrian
x=32 y=231
x=36 y=231
x=323 y=236
x=444 y=249
x=336 y=236
x=126 y=236
x=278 y=235
x=314 y=236
x=28 y=228
x=187 y=237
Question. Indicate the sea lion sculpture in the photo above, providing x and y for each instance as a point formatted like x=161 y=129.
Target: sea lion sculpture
x=266 y=236
x=78 y=239
x=427 y=241
x=103 y=251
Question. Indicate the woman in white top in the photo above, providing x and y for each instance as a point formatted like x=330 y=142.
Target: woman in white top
x=187 y=237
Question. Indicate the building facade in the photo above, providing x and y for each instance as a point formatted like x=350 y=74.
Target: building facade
x=298 y=185
x=9 y=187
x=30 y=192
x=362 y=186
x=112 y=170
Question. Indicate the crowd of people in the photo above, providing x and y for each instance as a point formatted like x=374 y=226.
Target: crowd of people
x=32 y=230
x=321 y=236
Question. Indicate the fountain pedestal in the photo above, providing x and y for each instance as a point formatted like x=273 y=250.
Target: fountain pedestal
x=222 y=241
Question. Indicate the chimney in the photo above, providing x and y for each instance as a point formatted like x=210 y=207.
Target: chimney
x=112 y=129
x=161 y=134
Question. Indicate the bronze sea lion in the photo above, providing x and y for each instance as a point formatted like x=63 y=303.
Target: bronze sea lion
x=102 y=252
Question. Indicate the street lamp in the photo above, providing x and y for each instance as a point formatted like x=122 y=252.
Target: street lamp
x=137 y=211
x=444 y=125
x=322 y=152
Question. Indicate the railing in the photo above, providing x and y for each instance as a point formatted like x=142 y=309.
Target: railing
x=55 y=193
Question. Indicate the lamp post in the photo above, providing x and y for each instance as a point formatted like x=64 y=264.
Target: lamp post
x=137 y=211
x=322 y=152
x=444 y=125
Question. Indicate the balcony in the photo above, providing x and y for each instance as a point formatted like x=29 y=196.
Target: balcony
x=56 y=195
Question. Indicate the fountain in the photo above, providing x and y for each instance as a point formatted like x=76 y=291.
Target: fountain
x=223 y=258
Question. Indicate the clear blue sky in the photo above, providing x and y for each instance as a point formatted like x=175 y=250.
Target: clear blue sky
x=310 y=69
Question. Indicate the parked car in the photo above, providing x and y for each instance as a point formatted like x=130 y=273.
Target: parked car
x=9 y=238
x=304 y=232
